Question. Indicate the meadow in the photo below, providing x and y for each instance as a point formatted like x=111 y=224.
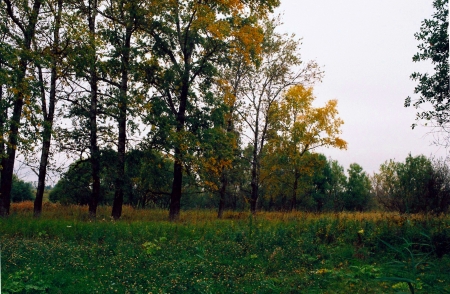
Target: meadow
x=66 y=252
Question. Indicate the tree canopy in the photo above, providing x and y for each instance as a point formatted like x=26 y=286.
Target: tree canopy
x=433 y=88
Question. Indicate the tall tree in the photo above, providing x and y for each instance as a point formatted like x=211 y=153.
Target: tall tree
x=23 y=17
x=123 y=19
x=296 y=127
x=280 y=67
x=188 y=40
x=48 y=105
x=434 y=89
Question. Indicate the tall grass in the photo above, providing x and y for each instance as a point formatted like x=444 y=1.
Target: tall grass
x=297 y=252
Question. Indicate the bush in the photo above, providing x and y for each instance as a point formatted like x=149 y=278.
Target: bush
x=21 y=191
x=418 y=185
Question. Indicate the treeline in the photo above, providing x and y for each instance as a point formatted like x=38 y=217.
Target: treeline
x=417 y=185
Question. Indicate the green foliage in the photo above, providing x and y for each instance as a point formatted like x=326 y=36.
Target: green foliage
x=357 y=189
x=23 y=281
x=146 y=180
x=417 y=185
x=74 y=185
x=21 y=190
x=434 y=46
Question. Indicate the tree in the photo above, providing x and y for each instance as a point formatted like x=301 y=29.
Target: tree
x=357 y=189
x=337 y=184
x=84 y=107
x=296 y=127
x=22 y=20
x=53 y=52
x=434 y=89
x=123 y=19
x=21 y=190
x=280 y=67
x=416 y=185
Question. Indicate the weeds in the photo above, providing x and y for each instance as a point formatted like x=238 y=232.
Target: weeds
x=273 y=253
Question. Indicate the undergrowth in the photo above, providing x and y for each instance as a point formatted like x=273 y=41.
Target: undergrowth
x=66 y=252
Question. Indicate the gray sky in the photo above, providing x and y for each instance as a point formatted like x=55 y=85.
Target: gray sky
x=365 y=48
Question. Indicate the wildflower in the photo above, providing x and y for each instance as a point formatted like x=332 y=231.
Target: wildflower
x=361 y=231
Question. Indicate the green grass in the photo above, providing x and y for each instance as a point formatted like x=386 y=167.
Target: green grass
x=272 y=253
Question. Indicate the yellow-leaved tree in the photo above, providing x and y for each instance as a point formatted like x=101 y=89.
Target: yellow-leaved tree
x=296 y=127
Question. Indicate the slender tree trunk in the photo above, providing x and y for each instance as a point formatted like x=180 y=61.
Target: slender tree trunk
x=48 y=118
x=254 y=182
x=294 y=190
x=121 y=147
x=8 y=162
x=224 y=173
x=93 y=83
x=222 y=193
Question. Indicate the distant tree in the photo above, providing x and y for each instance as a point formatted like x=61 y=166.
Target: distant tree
x=21 y=190
x=146 y=180
x=440 y=186
x=74 y=185
x=296 y=127
x=357 y=189
x=263 y=85
x=417 y=185
x=434 y=89
x=337 y=184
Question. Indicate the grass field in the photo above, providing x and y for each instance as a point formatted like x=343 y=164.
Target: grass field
x=65 y=252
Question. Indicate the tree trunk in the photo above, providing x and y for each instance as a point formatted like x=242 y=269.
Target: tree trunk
x=175 y=196
x=122 y=120
x=48 y=118
x=222 y=194
x=254 y=182
x=93 y=83
x=3 y=119
x=294 y=190
x=8 y=162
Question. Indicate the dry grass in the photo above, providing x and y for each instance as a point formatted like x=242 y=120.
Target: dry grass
x=70 y=212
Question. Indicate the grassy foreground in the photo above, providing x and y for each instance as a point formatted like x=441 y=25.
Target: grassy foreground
x=65 y=252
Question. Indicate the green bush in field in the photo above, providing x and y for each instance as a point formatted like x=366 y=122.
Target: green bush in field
x=417 y=185
x=21 y=191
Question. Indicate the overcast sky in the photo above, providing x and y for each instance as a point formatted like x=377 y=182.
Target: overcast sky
x=365 y=48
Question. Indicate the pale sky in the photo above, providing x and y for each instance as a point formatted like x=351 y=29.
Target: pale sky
x=365 y=48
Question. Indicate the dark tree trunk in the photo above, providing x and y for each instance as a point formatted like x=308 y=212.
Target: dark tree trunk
x=254 y=182
x=8 y=162
x=222 y=194
x=175 y=196
x=3 y=119
x=93 y=83
x=48 y=118
x=122 y=120
x=294 y=190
